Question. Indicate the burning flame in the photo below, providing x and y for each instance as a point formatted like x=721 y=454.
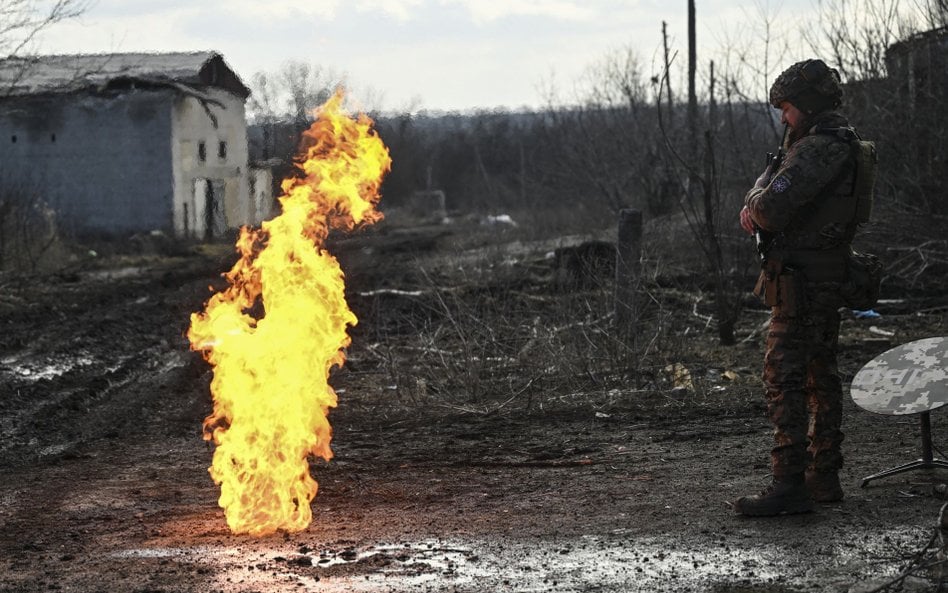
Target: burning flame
x=275 y=332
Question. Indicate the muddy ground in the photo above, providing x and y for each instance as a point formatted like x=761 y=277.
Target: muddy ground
x=563 y=480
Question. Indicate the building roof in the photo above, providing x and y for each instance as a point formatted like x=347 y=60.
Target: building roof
x=71 y=73
x=937 y=36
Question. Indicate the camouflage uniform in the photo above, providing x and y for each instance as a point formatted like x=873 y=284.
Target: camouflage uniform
x=808 y=206
x=804 y=392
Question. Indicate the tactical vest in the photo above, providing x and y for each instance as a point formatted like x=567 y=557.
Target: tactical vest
x=819 y=241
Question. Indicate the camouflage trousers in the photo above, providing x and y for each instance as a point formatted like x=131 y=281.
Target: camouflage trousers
x=804 y=392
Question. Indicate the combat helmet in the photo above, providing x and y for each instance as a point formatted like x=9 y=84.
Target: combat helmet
x=811 y=86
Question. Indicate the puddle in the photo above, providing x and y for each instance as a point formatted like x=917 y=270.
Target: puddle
x=26 y=368
x=115 y=273
x=37 y=370
x=606 y=563
x=168 y=552
x=432 y=555
x=392 y=291
x=370 y=569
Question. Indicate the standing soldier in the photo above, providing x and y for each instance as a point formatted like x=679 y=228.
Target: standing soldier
x=804 y=210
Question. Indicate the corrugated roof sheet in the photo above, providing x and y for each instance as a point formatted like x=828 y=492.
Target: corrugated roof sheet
x=64 y=73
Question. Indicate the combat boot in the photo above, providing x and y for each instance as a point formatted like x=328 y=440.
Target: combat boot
x=824 y=486
x=785 y=496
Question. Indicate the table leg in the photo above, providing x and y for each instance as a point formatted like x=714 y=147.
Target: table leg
x=927 y=461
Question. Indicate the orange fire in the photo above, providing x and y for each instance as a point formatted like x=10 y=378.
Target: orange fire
x=275 y=332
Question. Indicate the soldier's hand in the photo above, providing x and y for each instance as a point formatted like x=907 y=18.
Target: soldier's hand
x=746 y=222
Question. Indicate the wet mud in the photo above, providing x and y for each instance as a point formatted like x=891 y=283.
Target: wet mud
x=104 y=483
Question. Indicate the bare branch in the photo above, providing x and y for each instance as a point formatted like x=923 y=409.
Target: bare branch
x=22 y=21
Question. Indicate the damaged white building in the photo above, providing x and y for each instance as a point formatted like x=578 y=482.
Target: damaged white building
x=123 y=143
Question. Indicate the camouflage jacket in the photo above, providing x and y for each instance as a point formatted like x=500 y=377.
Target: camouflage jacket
x=808 y=203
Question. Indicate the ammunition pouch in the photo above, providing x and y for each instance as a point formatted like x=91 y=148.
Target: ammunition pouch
x=782 y=287
x=863 y=281
x=783 y=279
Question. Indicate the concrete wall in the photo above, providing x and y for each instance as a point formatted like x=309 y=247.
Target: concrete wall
x=102 y=162
x=226 y=175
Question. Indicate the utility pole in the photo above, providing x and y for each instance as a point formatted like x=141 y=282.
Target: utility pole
x=692 y=65
x=668 y=84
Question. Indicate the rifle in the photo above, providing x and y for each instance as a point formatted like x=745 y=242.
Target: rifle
x=763 y=238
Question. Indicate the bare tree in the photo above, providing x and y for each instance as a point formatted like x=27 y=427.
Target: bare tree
x=855 y=34
x=281 y=106
x=263 y=99
x=27 y=224
x=606 y=141
x=749 y=58
x=292 y=92
x=305 y=87
x=28 y=228
x=935 y=12
x=22 y=21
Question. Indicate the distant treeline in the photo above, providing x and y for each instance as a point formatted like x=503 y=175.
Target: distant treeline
x=573 y=168
x=592 y=160
x=586 y=161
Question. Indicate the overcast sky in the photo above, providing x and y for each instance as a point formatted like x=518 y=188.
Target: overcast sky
x=430 y=54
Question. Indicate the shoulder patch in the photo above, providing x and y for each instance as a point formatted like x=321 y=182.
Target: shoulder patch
x=780 y=184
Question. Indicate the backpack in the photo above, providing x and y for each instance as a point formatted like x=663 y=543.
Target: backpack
x=863 y=281
x=864 y=270
x=866 y=159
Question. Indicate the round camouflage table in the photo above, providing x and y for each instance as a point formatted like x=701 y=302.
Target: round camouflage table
x=908 y=379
